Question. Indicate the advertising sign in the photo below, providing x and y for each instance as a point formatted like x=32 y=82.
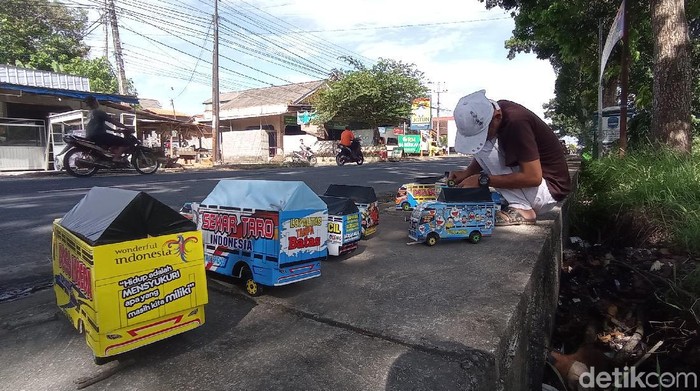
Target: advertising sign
x=129 y=294
x=269 y=233
x=420 y=114
x=409 y=142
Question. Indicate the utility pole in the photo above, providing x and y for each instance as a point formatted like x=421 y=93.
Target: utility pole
x=172 y=104
x=439 y=91
x=105 y=22
x=216 y=144
x=624 y=76
x=121 y=76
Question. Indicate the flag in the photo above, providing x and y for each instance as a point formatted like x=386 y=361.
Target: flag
x=613 y=36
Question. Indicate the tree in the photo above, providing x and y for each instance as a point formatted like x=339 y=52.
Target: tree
x=36 y=33
x=378 y=95
x=563 y=31
x=670 y=122
x=47 y=35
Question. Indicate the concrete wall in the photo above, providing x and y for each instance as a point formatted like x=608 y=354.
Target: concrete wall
x=248 y=144
x=520 y=359
x=276 y=121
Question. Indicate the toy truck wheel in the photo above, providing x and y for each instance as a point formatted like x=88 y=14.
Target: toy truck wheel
x=432 y=239
x=406 y=206
x=101 y=360
x=475 y=237
x=252 y=288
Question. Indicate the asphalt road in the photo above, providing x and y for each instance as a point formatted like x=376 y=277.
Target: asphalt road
x=29 y=203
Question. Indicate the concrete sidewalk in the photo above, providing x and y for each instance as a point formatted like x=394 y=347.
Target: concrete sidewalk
x=389 y=316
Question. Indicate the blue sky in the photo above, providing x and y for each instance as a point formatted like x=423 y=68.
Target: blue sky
x=458 y=44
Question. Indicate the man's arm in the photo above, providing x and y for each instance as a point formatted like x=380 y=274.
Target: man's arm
x=530 y=175
x=108 y=118
x=459 y=176
x=116 y=123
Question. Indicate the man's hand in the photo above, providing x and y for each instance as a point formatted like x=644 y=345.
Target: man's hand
x=458 y=176
x=471 y=181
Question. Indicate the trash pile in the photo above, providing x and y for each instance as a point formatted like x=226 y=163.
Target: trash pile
x=631 y=308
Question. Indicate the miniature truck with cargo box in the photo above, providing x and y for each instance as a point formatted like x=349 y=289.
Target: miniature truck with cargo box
x=267 y=233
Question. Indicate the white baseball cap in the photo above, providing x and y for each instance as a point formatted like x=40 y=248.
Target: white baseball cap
x=472 y=115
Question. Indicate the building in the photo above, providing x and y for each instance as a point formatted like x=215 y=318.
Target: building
x=38 y=107
x=262 y=123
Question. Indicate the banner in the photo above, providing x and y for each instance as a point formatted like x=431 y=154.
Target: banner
x=614 y=35
x=420 y=113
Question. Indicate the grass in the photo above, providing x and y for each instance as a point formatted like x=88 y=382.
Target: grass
x=648 y=198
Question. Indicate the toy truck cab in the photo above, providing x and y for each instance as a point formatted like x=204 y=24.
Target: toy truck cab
x=457 y=214
x=267 y=233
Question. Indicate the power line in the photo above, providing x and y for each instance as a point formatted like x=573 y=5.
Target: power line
x=330 y=44
x=206 y=38
x=402 y=26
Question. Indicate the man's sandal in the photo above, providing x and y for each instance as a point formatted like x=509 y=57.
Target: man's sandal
x=510 y=216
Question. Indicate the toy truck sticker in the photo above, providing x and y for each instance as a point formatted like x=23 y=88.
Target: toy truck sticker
x=343 y=225
x=457 y=214
x=366 y=200
x=268 y=233
x=128 y=271
x=420 y=190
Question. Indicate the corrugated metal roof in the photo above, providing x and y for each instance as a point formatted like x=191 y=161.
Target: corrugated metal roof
x=70 y=93
x=147 y=103
x=38 y=78
x=268 y=96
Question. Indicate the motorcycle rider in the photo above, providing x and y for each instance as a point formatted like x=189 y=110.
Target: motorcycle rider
x=346 y=139
x=96 y=130
x=304 y=149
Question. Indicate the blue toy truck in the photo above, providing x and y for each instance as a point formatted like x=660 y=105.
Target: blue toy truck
x=457 y=214
x=268 y=233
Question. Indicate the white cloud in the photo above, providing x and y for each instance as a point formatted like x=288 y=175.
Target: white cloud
x=457 y=43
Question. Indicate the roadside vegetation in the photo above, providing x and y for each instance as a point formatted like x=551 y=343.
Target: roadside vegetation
x=630 y=283
x=648 y=198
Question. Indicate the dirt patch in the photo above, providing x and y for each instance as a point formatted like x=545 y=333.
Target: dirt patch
x=630 y=308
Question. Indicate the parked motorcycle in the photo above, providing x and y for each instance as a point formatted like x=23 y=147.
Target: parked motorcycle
x=350 y=155
x=304 y=154
x=83 y=158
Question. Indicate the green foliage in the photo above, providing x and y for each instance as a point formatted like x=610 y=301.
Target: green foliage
x=36 y=33
x=566 y=33
x=46 y=35
x=378 y=95
x=649 y=197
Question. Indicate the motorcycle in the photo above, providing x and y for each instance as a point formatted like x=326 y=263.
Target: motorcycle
x=83 y=158
x=304 y=154
x=350 y=155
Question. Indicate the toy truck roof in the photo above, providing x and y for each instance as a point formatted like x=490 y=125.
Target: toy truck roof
x=358 y=194
x=339 y=206
x=108 y=215
x=427 y=180
x=458 y=194
x=264 y=195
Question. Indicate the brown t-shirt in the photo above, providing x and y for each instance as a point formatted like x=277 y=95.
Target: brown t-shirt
x=524 y=137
